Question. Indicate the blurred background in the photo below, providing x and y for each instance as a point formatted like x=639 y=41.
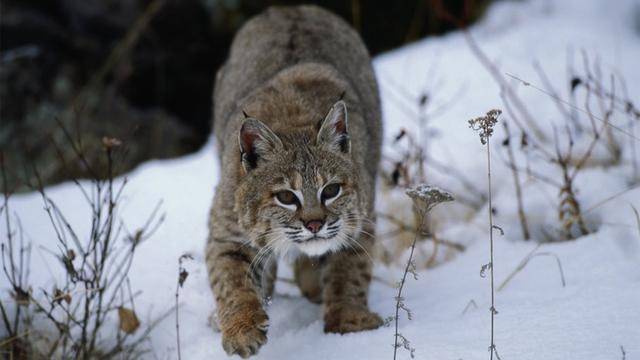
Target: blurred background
x=141 y=71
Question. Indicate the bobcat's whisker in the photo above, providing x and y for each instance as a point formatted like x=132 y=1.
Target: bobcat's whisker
x=351 y=241
x=263 y=252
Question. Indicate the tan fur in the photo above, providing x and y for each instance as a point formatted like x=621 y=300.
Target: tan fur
x=280 y=126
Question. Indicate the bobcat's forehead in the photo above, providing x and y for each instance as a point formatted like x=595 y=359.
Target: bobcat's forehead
x=319 y=179
x=306 y=167
x=297 y=181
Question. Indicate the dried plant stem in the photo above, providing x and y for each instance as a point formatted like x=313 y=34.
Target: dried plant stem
x=14 y=338
x=533 y=253
x=484 y=126
x=635 y=212
x=356 y=17
x=587 y=112
x=178 y=321
x=492 y=348
x=408 y=228
x=96 y=270
x=516 y=180
x=182 y=277
x=432 y=259
x=15 y=258
x=507 y=91
x=569 y=210
x=470 y=304
x=520 y=266
x=127 y=43
x=634 y=153
x=424 y=199
x=504 y=85
x=407 y=269
x=5 y=319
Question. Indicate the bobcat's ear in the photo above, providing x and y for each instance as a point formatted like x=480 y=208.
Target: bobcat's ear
x=333 y=131
x=256 y=141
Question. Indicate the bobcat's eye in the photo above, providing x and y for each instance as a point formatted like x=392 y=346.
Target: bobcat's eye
x=330 y=191
x=287 y=197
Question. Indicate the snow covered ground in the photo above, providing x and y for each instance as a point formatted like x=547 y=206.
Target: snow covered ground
x=592 y=317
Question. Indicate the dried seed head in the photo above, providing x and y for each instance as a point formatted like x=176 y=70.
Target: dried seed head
x=484 y=124
x=426 y=197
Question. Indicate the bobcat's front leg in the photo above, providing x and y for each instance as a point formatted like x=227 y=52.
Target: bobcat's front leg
x=346 y=279
x=241 y=316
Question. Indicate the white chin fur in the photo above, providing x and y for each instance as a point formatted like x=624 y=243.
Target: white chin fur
x=319 y=247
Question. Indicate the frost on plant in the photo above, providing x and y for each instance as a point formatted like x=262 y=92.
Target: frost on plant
x=426 y=197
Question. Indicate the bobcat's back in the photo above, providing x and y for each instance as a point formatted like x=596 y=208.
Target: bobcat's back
x=283 y=37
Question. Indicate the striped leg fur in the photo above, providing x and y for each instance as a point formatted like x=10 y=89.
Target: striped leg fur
x=240 y=284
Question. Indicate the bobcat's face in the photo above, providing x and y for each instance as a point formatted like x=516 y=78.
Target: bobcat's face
x=300 y=190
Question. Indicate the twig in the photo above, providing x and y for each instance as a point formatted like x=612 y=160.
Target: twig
x=612 y=197
x=529 y=84
x=408 y=228
x=533 y=253
x=493 y=307
x=516 y=180
x=635 y=212
x=14 y=338
x=471 y=303
x=399 y=299
x=182 y=277
x=127 y=42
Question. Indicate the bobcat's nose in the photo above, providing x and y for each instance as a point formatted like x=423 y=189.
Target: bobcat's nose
x=314 y=225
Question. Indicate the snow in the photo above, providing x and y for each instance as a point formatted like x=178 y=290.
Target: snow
x=595 y=314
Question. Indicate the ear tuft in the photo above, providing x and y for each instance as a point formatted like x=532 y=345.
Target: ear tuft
x=256 y=141
x=334 y=129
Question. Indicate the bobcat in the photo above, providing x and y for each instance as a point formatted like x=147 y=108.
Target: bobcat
x=297 y=122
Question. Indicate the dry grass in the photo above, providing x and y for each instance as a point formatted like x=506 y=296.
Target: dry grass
x=70 y=319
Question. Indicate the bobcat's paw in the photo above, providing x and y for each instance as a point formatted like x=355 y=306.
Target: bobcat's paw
x=245 y=332
x=350 y=318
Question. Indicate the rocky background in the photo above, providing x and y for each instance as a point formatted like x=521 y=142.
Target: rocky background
x=73 y=72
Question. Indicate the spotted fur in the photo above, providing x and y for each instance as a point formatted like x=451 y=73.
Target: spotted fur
x=297 y=122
